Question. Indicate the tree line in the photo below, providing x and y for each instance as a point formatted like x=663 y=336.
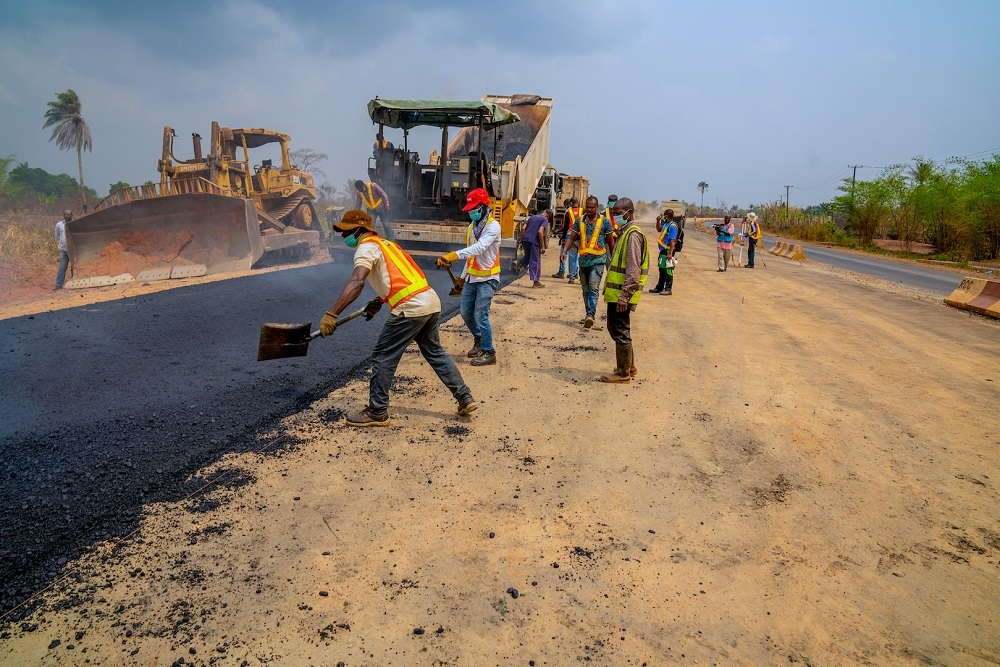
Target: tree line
x=954 y=206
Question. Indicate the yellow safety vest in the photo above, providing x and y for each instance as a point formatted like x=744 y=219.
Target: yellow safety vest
x=368 y=198
x=405 y=277
x=662 y=241
x=472 y=266
x=591 y=246
x=616 y=271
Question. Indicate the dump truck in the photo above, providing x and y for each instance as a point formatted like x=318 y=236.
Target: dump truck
x=501 y=145
x=568 y=187
x=678 y=207
x=208 y=214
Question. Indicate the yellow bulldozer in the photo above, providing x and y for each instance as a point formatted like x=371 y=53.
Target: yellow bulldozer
x=209 y=214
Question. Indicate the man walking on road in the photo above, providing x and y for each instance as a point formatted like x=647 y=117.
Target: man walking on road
x=415 y=311
x=626 y=276
x=754 y=235
x=533 y=242
x=724 y=240
x=667 y=243
x=481 y=274
x=593 y=233
x=60 y=233
x=570 y=218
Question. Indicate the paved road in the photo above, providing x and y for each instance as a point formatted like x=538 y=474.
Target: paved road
x=923 y=277
x=109 y=406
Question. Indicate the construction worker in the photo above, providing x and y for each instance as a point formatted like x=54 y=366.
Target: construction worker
x=481 y=274
x=593 y=232
x=532 y=240
x=667 y=243
x=60 y=234
x=753 y=233
x=414 y=313
x=724 y=240
x=372 y=198
x=609 y=214
x=381 y=144
x=627 y=273
x=570 y=218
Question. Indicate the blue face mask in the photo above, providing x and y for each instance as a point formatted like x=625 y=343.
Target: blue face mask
x=351 y=241
x=476 y=214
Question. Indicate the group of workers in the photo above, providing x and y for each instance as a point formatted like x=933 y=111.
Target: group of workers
x=608 y=241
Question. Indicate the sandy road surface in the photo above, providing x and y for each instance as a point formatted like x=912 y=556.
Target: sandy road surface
x=805 y=471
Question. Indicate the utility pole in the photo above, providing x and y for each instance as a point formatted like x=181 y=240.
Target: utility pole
x=855 y=167
x=787 y=188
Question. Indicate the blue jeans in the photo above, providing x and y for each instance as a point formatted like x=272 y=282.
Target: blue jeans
x=476 y=300
x=396 y=335
x=63 y=264
x=574 y=263
x=590 y=281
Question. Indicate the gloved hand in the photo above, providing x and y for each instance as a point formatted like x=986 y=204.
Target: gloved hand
x=372 y=308
x=446 y=260
x=327 y=324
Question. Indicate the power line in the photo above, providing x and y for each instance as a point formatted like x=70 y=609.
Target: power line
x=829 y=180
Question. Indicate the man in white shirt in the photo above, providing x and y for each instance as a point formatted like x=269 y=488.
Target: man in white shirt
x=414 y=315
x=60 y=234
x=481 y=273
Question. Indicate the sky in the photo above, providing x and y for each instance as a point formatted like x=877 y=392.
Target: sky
x=650 y=97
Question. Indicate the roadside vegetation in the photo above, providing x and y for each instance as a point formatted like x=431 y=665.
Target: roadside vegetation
x=954 y=207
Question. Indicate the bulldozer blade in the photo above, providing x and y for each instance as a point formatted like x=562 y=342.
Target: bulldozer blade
x=177 y=236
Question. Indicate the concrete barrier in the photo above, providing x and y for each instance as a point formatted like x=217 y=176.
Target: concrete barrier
x=978 y=295
x=789 y=250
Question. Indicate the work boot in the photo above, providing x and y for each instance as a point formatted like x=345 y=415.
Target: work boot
x=632 y=370
x=467 y=405
x=538 y=284
x=667 y=292
x=368 y=418
x=655 y=290
x=623 y=359
x=588 y=322
x=476 y=349
x=572 y=281
x=559 y=275
x=485 y=359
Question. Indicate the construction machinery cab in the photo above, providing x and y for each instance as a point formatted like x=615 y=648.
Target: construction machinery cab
x=434 y=190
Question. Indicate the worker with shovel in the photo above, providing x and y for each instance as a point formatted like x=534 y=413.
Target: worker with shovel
x=415 y=311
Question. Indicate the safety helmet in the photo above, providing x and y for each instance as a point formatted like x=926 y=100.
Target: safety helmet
x=752 y=215
x=475 y=198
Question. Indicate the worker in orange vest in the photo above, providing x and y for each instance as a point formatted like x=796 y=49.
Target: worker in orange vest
x=570 y=219
x=414 y=313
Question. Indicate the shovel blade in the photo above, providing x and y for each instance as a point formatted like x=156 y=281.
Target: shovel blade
x=280 y=341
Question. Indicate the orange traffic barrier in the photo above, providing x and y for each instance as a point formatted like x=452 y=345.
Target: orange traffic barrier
x=979 y=295
x=789 y=250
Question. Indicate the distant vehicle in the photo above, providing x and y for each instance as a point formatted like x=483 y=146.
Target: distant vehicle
x=678 y=207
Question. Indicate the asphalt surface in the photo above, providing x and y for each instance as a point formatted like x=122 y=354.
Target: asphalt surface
x=923 y=277
x=110 y=406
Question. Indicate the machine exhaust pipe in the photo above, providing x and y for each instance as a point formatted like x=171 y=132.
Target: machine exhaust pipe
x=196 y=140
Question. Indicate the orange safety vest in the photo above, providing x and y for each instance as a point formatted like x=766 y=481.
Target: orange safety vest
x=405 y=277
x=591 y=246
x=381 y=144
x=368 y=198
x=614 y=225
x=472 y=266
x=574 y=215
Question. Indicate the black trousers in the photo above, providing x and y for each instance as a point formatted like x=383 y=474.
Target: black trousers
x=620 y=325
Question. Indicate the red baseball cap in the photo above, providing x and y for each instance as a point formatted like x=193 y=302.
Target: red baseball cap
x=475 y=198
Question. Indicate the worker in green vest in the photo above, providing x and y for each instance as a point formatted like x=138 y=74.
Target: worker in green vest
x=627 y=272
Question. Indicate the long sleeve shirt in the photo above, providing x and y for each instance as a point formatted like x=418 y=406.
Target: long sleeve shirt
x=485 y=247
x=61 y=235
x=379 y=193
x=633 y=262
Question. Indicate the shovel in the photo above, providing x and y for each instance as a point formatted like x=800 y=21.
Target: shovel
x=279 y=341
x=456 y=283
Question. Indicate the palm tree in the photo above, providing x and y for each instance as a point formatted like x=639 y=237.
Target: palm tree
x=71 y=130
x=703 y=186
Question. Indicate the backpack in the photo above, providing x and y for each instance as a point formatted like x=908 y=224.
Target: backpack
x=679 y=243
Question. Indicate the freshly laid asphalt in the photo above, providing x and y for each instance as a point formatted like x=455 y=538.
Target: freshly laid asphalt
x=110 y=406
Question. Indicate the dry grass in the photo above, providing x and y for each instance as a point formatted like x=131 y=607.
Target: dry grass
x=26 y=239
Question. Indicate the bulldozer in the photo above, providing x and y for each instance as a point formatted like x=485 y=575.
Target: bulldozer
x=208 y=214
